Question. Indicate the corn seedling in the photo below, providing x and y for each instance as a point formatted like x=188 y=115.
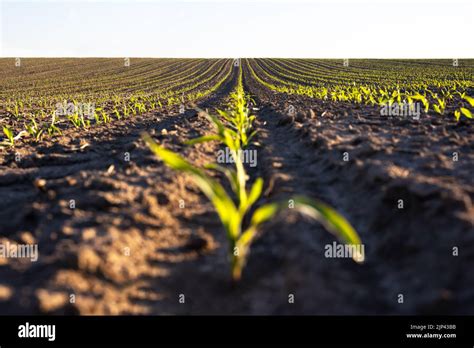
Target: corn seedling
x=462 y=111
x=469 y=99
x=34 y=130
x=439 y=108
x=105 y=118
x=78 y=120
x=126 y=111
x=117 y=114
x=239 y=235
x=10 y=141
x=53 y=129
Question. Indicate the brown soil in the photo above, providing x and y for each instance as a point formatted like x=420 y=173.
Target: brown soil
x=135 y=206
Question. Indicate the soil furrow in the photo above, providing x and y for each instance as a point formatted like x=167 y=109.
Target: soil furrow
x=109 y=230
x=305 y=152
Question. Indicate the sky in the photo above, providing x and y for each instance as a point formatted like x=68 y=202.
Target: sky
x=237 y=28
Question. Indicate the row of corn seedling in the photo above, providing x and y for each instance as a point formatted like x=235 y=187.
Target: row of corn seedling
x=37 y=124
x=239 y=208
x=435 y=98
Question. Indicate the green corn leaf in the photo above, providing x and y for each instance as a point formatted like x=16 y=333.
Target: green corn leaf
x=255 y=192
x=457 y=115
x=264 y=213
x=218 y=124
x=173 y=160
x=203 y=139
x=251 y=136
x=230 y=174
x=225 y=115
x=331 y=219
x=261 y=215
x=231 y=140
x=8 y=132
x=466 y=112
x=223 y=204
x=469 y=99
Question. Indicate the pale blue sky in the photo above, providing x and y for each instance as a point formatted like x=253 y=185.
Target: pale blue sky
x=238 y=28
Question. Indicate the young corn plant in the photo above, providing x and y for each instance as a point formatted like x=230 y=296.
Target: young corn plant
x=423 y=100
x=10 y=141
x=16 y=109
x=52 y=128
x=117 y=113
x=239 y=116
x=104 y=115
x=78 y=120
x=239 y=235
x=439 y=108
x=34 y=130
x=239 y=133
x=234 y=211
x=462 y=110
x=10 y=137
x=469 y=99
